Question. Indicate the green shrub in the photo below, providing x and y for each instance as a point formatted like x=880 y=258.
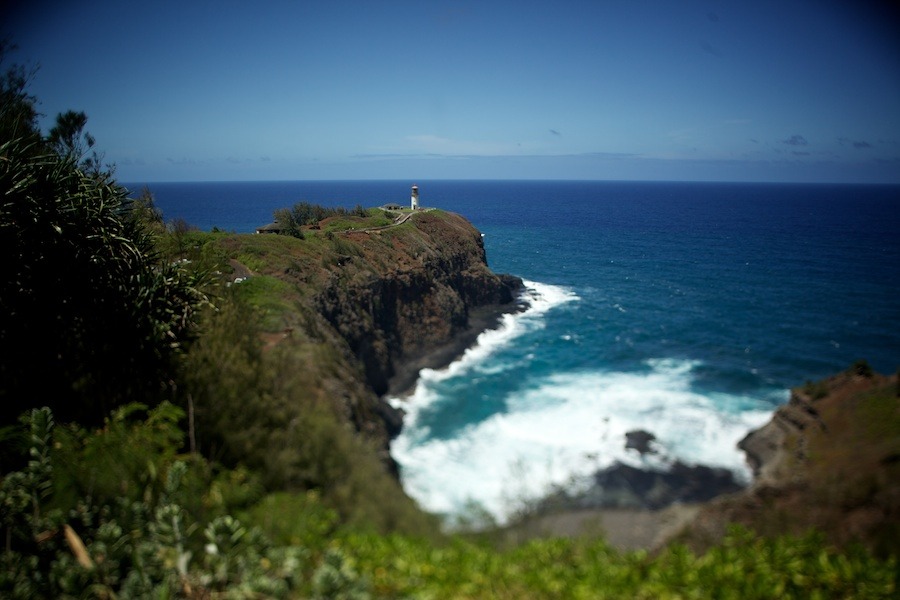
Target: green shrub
x=151 y=547
x=861 y=367
x=343 y=246
x=743 y=566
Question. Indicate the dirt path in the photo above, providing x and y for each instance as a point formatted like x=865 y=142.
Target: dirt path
x=398 y=221
x=240 y=271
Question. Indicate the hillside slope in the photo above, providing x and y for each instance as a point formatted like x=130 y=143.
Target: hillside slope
x=360 y=309
x=829 y=459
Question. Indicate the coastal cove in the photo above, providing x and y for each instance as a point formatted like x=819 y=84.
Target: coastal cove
x=685 y=310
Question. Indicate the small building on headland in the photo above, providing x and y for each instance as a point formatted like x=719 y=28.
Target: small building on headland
x=270 y=228
x=392 y=206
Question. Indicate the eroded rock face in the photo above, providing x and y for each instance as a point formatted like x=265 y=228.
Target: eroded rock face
x=826 y=460
x=355 y=313
x=767 y=450
x=400 y=313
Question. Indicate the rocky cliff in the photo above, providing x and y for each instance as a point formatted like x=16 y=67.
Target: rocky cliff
x=829 y=459
x=362 y=308
x=412 y=298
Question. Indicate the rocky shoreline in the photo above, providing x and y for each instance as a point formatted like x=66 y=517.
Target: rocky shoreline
x=369 y=310
x=644 y=508
x=406 y=371
x=634 y=507
x=481 y=319
x=828 y=460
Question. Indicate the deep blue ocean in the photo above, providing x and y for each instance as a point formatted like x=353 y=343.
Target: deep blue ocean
x=684 y=309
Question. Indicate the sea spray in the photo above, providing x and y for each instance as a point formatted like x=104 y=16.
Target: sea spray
x=536 y=297
x=555 y=429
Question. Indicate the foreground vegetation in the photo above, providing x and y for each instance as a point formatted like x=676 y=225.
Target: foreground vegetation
x=153 y=443
x=118 y=512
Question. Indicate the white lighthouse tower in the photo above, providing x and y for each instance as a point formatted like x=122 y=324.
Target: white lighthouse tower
x=414 y=198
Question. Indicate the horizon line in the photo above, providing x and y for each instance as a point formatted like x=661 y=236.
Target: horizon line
x=511 y=179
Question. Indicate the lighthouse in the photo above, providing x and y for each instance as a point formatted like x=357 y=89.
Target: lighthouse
x=414 y=198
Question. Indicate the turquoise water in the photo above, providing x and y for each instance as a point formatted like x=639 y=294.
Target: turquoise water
x=687 y=310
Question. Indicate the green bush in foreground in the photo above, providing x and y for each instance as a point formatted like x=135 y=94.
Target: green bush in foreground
x=145 y=542
x=152 y=541
x=742 y=567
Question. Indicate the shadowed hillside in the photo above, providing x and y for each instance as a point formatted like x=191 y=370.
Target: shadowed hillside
x=828 y=460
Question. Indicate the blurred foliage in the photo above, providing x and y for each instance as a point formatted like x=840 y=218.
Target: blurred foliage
x=143 y=540
x=862 y=368
x=291 y=220
x=254 y=407
x=151 y=542
x=90 y=317
x=743 y=566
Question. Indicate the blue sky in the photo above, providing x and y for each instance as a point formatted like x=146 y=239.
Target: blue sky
x=635 y=89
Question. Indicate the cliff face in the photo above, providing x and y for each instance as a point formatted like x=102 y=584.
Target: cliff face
x=829 y=459
x=410 y=295
x=363 y=308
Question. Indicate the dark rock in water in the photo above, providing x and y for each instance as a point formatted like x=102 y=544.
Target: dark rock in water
x=640 y=440
x=624 y=486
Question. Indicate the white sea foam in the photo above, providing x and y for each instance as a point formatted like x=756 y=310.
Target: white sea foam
x=564 y=427
x=559 y=429
x=539 y=298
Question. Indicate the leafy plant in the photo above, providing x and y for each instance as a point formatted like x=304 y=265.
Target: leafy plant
x=153 y=547
x=90 y=318
x=862 y=368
